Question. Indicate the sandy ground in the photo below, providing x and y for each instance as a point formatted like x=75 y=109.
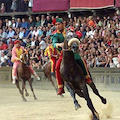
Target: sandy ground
x=49 y=106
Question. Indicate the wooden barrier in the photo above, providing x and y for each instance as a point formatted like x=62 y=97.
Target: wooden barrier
x=103 y=76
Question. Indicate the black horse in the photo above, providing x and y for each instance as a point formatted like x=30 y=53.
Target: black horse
x=74 y=77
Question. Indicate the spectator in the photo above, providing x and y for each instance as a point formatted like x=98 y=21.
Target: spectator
x=30 y=5
x=42 y=20
x=31 y=22
x=40 y=31
x=7 y=23
x=11 y=33
x=24 y=5
x=3 y=46
x=2 y=8
x=10 y=41
x=18 y=23
x=30 y=32
x=13 y=23
x=22 y=43
x=42 y=45
x=3 y=58
x=9 y=63
x=48 y=20
x=25 y=36
x=21 y=33
x=38 y=22
x=14 y=5
x=35 y=32
x=2 y=34
x=115 y=58
x=24 y=24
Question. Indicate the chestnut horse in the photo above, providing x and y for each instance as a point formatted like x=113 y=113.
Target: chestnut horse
x=23 y=75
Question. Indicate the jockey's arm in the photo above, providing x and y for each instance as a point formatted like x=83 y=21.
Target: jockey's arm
x=55 y=42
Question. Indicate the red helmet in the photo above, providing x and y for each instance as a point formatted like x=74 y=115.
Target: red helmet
x=79 y=34
x=16 y=41
x=71 y=29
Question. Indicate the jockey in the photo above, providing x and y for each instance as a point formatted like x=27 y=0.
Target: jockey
x=53 y=54
x=17 y=51
x=58 y=43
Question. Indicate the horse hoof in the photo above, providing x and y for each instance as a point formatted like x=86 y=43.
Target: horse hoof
x=95 y=118
x=77 y=107
x=27 y=94
x=24 y=100
x=35 y=98
x=62 y=95
x=104 y=101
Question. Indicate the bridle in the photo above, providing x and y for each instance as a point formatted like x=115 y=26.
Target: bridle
x=21 y=56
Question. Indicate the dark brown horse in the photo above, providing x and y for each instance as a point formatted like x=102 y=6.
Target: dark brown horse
x=73 y=75
x=23 y=75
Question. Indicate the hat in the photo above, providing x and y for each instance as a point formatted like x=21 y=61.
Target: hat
x=57 y=20
x=79 y=34
x=16 y=41
x=71 y=29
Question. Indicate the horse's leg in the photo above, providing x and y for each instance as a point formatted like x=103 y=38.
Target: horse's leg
x=26 y=93
x=30 y=83
x=23 y=87
x=79 y=93
x=92 y=85
x=89 y=102
x=18 y=86
x=72 y=93
x=50 y=79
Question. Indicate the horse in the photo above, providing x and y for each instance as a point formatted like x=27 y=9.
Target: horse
x=24 y=74
x=47 y=71
x=73 y=75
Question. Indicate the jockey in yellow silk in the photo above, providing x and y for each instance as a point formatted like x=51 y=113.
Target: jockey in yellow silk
x=17 y=51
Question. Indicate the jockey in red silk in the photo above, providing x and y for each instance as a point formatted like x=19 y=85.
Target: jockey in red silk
x=53 y=54
x=58 y=42
x=17 y=51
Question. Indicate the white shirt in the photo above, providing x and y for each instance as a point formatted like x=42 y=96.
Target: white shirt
x=36 y=33
x=43 y=45
x=3 y=58
x=88 y=33
x=92 y=33
x=33 y=43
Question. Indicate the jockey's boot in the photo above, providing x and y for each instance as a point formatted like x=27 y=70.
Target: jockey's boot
x=60 y=91
x=52 y=74
x=89 y=80
x=14 y=79
x=38 y=78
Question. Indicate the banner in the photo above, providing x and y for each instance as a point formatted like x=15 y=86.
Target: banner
x=117 y=3
x=50 y=5
x=91 y=4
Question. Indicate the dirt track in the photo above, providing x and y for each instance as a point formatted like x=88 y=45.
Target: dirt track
x=49 y=106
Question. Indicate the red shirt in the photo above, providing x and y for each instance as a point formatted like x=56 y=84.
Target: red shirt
x=3 y=47
x=11 y=42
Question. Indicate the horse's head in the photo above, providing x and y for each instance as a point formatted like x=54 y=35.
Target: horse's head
x=25 y=58
x=71 y=42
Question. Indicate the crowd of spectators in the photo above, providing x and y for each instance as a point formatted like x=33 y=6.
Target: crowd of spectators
x=15 y=5
x=100 y=38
